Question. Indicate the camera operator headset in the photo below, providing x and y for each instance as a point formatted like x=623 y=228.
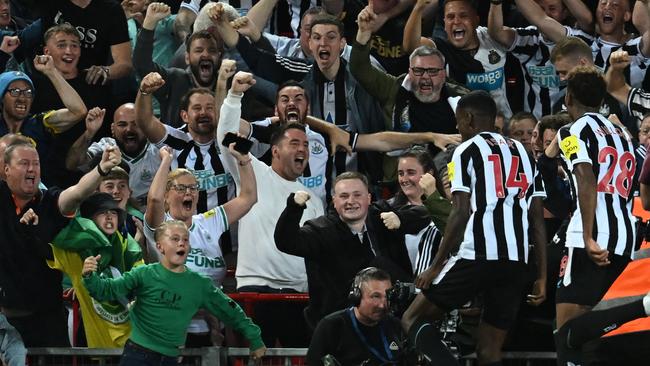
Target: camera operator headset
x=365 y=333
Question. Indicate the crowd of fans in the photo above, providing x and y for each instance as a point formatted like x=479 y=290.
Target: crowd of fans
x=322 y=147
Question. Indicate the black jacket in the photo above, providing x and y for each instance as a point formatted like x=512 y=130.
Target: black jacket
x=333 y=254
x=26 y=281
x=336 y=336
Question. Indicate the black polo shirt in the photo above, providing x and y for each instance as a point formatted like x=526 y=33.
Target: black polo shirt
x=26 y=281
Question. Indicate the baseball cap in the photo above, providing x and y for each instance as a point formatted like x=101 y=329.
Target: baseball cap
x=100 y=202
x=8 y=77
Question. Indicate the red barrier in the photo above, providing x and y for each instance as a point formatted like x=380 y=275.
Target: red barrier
x=248 y=299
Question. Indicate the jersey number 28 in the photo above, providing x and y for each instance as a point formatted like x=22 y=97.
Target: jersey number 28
x=623 y=181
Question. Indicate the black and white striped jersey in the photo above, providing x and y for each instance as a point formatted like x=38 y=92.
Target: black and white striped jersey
x=204 y=161
x=638 y=104
x=430 y=240
x=542 y=85
x=596 y=141
x=601 y=50
x=482 y=69
x=501 y=179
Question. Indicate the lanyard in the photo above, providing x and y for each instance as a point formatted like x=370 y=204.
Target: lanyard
x=372 y=349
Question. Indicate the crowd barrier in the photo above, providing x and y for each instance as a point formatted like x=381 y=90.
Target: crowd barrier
x=247 y=300
x=224 y=356
x=233 y=356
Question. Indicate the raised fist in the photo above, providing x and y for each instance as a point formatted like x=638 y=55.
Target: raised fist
x=227 y=69
x=301 y=198
x=44 y=63
x=111 y=158
x=151 y=82
x=9 y=44
x=428 y=184
x=157 y=12
x=242 y=82
x=217 y=14
x=619 y=60
x=94 y=119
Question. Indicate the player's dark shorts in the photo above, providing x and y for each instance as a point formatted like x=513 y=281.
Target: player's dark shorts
x=589 y=282
x=500 y=281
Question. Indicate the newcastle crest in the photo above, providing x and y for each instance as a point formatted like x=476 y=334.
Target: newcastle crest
x=494 y=57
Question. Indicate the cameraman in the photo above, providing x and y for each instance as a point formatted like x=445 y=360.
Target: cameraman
x=365 y=333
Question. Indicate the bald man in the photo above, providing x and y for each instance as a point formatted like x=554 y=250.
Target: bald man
x=140 y=157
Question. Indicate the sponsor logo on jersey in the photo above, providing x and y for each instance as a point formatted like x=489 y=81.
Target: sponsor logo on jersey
x=487 y=81
x=384 y=48
x=200 y=260
x=311 y=182
x=569 y=146
x=544 y=76
x=207 y=180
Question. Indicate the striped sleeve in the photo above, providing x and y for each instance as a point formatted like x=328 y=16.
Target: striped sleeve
x=526 y=41
x=536 y=189
x=638 y=103
x=174 y=138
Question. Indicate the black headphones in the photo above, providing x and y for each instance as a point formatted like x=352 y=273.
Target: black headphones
x=354 y=297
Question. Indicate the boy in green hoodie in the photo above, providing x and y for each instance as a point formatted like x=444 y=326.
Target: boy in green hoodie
x=167 y=296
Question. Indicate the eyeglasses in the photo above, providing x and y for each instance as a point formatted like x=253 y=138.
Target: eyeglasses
x=182 y=188
x=432 y=71
x=15 y=92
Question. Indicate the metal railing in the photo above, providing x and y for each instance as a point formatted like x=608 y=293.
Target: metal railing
x=217 y=356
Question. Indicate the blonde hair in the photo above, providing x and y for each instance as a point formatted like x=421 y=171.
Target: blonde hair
x=162 y=228
x=175 y=174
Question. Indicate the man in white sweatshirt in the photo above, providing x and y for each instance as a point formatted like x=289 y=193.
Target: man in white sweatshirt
x=261 y=267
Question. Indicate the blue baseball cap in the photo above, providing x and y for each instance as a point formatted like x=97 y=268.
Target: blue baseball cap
x=8 y=77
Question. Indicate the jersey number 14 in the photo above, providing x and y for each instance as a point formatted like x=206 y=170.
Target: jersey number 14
x=515 y=179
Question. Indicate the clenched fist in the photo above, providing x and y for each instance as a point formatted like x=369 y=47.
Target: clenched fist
x=301 y=198
x=391 y=221
x=227 y=69
x=428 y=184
x=90 y=265
x=619 y=60
x=242 y=82
x=151 y=82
